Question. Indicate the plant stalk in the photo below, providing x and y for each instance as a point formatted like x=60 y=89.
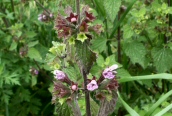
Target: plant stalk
x=84 y=73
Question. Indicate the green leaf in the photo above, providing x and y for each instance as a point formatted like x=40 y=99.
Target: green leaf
x=32 y=43
x=33 y=81
x=162 y=58
x=123 y=73
x=85 y=57
x=136 y=51
x=128 y=32
x=99 y=44
x=13 y=46
x=30 y=34
x=100 y=61
x=162 y=99
x=112 y=8
x=34 y=54
x=131 y=111
x=12 y=79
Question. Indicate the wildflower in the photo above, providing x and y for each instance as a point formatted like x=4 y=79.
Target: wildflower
x=72 y=18
x=109 y=73
x=89 y=17
x=59 y=75
x=83 y=27
x=92 y=85
x=112 y=85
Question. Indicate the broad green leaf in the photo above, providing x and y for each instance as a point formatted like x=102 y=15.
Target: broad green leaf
x=112 y=8
x=99 y=44
x=136 y=51
x=13 y=46
x=100 y=61
x=123 y=73
x=127 y=107
x=34 y=54
x=30 y=34
x=128 y=32
x=100 y=7
x=162 y=99
x=85 y=57
x=162 y=58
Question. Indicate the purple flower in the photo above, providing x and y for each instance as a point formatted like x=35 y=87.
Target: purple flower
x=36 y=72
x=109 y=73
x=92 y=85
x=59 y=75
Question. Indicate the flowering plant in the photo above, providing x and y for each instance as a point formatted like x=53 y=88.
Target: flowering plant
x=77 y=30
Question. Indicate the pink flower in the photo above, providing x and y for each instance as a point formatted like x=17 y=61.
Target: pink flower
x=72 y=18
x=92 y=85
x=59 y=75
x=109 y=73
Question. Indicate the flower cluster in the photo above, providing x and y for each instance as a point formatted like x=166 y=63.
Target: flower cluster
x=67 y=26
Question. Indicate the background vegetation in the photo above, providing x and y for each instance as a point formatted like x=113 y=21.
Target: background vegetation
x=137 y=36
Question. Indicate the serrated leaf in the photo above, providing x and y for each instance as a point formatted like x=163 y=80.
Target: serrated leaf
x=136 y=51
x=162 y=58
x=112 y=8
x=128 y=32
x=12 y=79
x=85 y=57
x=99 y=44
x=123 y=73
x=34 y=54
x=94 y=107
x=100 y=61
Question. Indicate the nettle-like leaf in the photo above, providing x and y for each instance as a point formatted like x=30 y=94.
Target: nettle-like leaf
x=136 y=51
x=99 y=44
x=108 y=106
x=63 y=110
x=128 y=32
x=162 y=58
x=112 y=8
x=84 y=56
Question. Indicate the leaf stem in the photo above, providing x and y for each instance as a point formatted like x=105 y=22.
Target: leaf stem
x=6 y=110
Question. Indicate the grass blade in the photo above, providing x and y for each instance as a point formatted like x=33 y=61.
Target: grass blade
x=162 y=99
x=127 y=107
x=164 y=110
x=146 y=77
